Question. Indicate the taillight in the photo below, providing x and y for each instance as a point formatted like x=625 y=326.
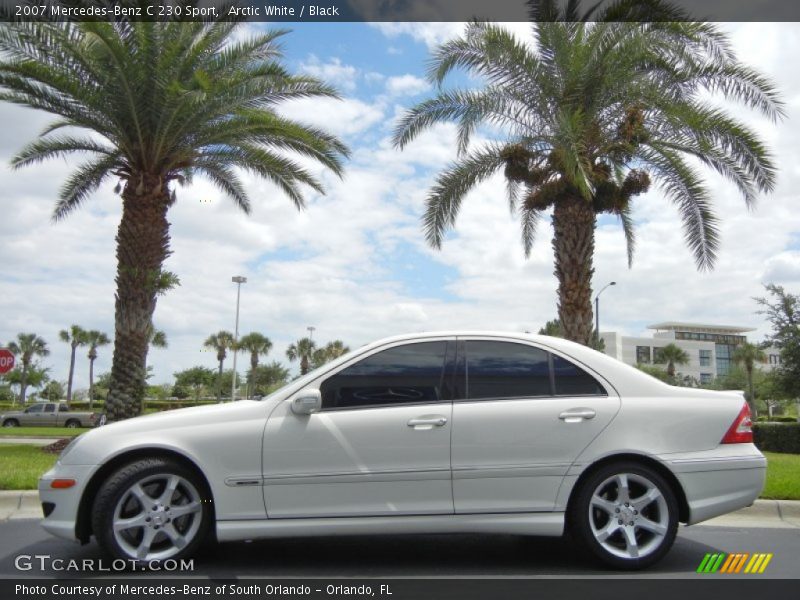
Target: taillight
x=741 y=430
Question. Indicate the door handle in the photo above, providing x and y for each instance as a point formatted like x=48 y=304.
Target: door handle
x=427 y=422
x=576 y=415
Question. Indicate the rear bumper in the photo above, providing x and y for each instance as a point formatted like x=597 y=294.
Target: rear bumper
x=720 y=481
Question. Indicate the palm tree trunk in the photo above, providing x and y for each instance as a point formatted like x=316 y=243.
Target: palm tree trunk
x=71 y=373
x=219 y=383
x=573 y=243
x=253 y=368
x=749 y=371
x=23 y=384
x=142 y=247
x=91 y=383
x=304 y=365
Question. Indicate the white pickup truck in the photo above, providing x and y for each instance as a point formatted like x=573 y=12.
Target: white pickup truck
x=48 y=414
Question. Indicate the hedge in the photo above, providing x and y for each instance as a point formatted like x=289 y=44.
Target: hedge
x=777 y=437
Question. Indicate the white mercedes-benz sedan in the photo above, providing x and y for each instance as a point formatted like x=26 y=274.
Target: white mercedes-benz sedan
x=433 y=432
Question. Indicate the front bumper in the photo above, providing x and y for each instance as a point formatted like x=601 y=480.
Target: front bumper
x=65 y=503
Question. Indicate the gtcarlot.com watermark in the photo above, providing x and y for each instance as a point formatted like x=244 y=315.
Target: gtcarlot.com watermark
x=45 y=562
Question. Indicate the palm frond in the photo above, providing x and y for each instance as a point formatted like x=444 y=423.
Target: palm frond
x=444 y=201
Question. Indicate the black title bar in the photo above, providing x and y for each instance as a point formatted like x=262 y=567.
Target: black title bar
x=374 y=10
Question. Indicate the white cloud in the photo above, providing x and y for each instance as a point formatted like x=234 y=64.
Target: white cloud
x=333 y=72
x=342 y=117
x=430 y=33
x=406 y=85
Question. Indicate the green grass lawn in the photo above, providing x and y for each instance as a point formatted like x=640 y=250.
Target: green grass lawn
x=783 y=477
x=21 y=465
x=53 y=432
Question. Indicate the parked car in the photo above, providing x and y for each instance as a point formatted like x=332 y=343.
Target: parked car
x=48 y=414
x=451 y=432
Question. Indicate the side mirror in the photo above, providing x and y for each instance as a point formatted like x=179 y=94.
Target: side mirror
x=307 y=402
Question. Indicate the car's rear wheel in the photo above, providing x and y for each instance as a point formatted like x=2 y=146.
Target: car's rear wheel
x=626 y=515
x=72 y=424
x=10 y=423
x=151 y=510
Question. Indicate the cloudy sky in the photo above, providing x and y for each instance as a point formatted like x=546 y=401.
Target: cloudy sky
x=354 y=264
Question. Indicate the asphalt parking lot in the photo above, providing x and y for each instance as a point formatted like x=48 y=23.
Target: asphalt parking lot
x=425 y=556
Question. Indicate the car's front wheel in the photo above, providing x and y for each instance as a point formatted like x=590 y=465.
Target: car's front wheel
x=151 y=510
x=626 y=515
x=10 y=423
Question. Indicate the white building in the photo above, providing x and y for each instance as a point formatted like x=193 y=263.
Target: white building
x=710 y=347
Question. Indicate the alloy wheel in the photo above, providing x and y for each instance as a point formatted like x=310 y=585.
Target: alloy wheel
x=629 y=515
x=156 y=517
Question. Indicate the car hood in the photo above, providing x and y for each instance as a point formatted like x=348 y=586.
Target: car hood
x=157 y=429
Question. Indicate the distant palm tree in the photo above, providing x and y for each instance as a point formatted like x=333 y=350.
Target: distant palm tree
x=592 y=111
x=670 y=355
x=94 y=339
x=153 y=105
x=329 y=352
x=304 y=350
x=335 y=349
x=75 y=336
x=26 y=347
x=257 y=345
x=35 y=376
x=220 y=342
x=747 y=355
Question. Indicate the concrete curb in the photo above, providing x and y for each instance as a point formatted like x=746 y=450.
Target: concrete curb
x=33 y=441
x=775 y=514
x=20 y=505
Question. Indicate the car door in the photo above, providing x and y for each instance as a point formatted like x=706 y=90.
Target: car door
x=522 y=416
x=49 y=416
x=379 y=446
x=32 y=416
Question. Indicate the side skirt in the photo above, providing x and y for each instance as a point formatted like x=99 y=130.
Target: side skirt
x=544 y=524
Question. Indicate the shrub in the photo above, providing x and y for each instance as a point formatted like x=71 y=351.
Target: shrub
x=777 y=437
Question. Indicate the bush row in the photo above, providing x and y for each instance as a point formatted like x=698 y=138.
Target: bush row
x=777 y=437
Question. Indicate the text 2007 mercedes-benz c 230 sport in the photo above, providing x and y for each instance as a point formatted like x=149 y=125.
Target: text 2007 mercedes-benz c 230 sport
x=445 y=432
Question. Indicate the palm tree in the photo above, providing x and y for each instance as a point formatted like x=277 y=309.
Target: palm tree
x=592 y=114
x=304 y=350
x=670 y=355
x=256 y=344
x=94 y=339
x=75 y=336
x=330 y=351
x=158 y=103
x=220 y=342
x=27 y=346
x=35 y=376
x=746 y=356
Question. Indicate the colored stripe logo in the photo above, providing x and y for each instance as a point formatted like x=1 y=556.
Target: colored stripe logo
x=738 y=562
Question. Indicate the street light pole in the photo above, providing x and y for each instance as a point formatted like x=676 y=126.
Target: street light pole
x=597 y=310
x=238 y=280
x=311 y=329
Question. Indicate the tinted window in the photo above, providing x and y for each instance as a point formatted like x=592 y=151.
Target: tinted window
x=574 y=381
x=49 y=408
x=36 y=408
x=401 y=375
x=506 y=370
x=63 y=408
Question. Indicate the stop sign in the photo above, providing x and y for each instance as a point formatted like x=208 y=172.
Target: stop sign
x=6 y=360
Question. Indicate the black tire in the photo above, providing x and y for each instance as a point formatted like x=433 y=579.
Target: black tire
x=118 y=485
x=72 y=424
x=581 y=528
x=10 y=423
